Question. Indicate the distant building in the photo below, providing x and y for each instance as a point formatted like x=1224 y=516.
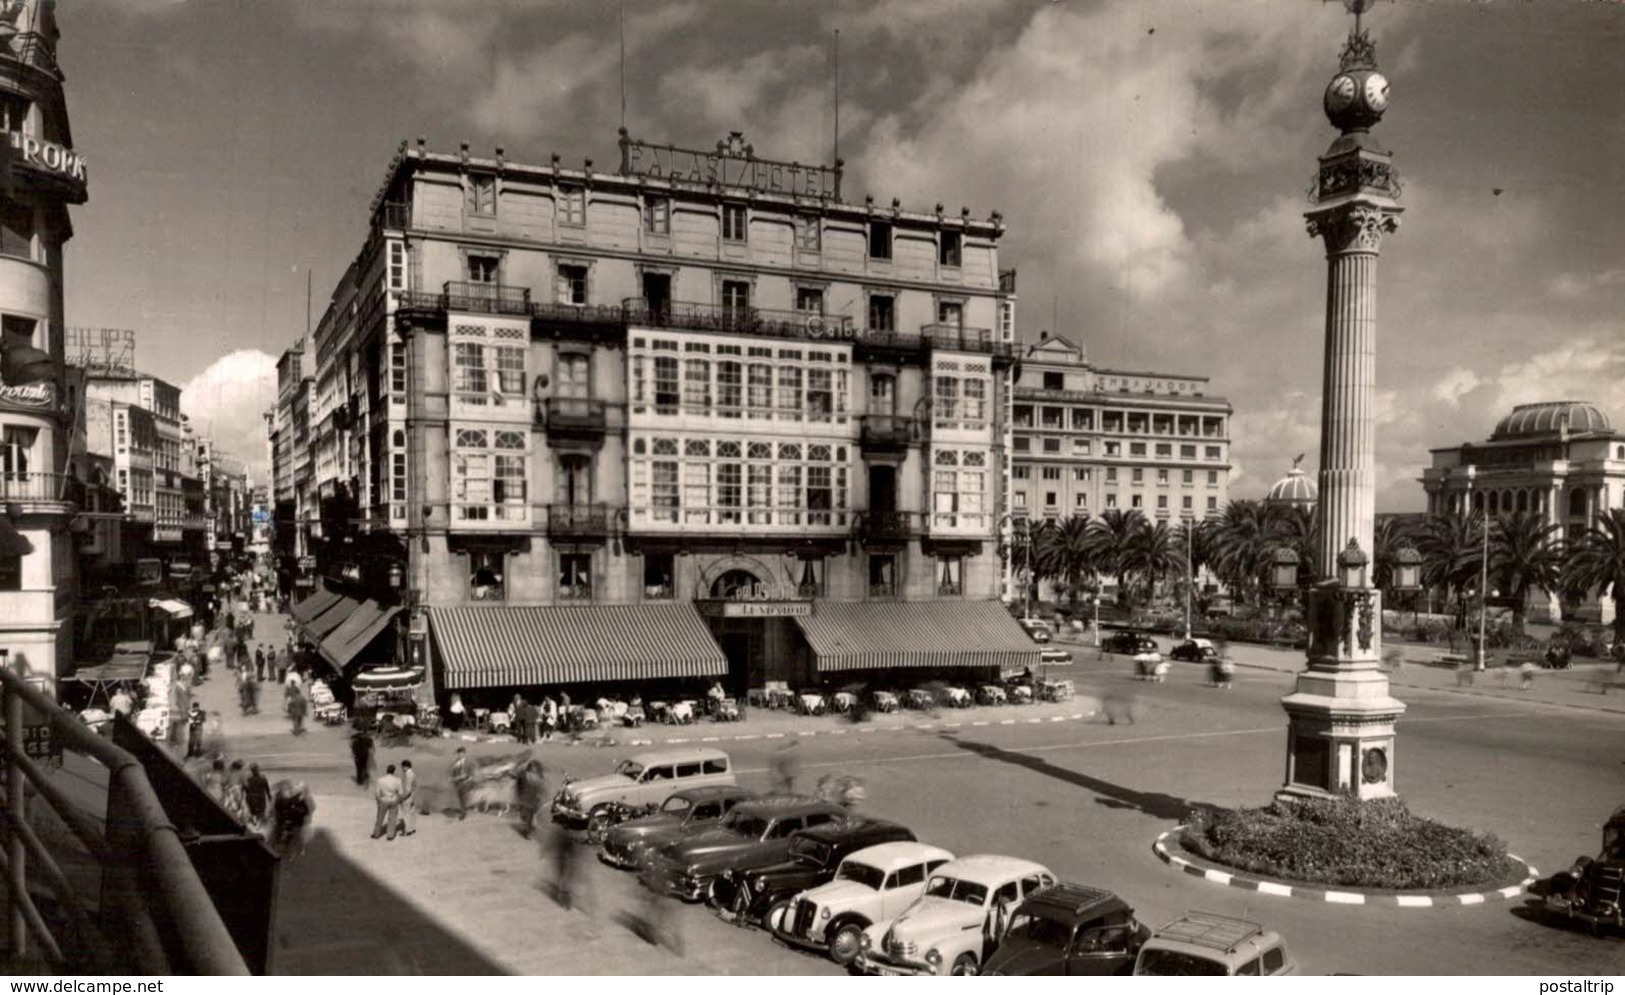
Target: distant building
x=291 y=507
x=1295 y=490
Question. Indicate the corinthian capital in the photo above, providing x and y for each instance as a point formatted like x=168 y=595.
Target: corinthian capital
x=1358 y=228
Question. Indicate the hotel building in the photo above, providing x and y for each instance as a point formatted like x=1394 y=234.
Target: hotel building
x=701 y=416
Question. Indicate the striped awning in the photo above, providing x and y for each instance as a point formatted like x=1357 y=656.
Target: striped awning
x=355 y=633
x=865 y=635
x=514 y=645
x=308 y=608
x=171 y=607
x=330 y=618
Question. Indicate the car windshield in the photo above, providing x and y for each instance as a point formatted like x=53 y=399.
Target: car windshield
x=629 y=768
x=1039 y=929
x=745 y=825
x=810 y=851
x=675 y=804
x=869 y=877
x=1172 y=963
x=968 y=892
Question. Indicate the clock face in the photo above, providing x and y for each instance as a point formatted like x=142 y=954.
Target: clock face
x=1376 y=92
x=1340 y=93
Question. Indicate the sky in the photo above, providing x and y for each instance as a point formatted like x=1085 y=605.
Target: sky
x=1150 y=157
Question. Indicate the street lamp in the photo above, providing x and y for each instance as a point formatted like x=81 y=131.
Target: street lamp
x=1407 y=571
x=1284 y=569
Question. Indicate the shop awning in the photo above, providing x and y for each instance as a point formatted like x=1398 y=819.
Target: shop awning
x=331 y=618
x=866 y=635
x=514 y=646
x=378 y=679
x=171 y=607
x=355 y=633
x=309 y=608
x=122 y=667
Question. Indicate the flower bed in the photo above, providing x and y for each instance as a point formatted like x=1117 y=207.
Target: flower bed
x=1374 y=844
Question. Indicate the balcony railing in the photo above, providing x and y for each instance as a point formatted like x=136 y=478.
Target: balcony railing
x=486 y=298
x=891 y=526
x=882 y=590
x=571 y=415
x=950 y=589
x=757 y=321
x=579 y=591
x=962 y=339
x=567 y=520
x=610 y=316
x=26 y=487
x=888 y=431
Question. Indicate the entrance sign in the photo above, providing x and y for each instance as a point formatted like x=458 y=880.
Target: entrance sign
x=733 y=164
x=755 y=609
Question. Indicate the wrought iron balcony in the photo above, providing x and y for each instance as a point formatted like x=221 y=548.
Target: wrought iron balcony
x=579 y=521
x=486 y=298
x=578 y=322
x=888 y=433
x=890 y=526
x=962 y=339
x=763 y=322
x=579 y=418
x=41 y=489
x=888 y=346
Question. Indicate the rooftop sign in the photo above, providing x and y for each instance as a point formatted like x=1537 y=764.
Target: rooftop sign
x=733 y=164
x=49 y=158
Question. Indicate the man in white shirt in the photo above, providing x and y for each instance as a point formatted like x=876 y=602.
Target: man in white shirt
x=388 y=797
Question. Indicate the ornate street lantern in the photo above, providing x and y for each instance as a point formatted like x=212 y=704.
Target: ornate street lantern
x=396 y=576
x=1407 y=570
x=1351 y=564
x=1284 y=569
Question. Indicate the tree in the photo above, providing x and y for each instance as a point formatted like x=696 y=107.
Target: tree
x=1240 y=546
x=1111 y=537
x=1596 y=561
x=1065 y=552
x=1152 y=555
x=1451 y=544
x=1524 y=554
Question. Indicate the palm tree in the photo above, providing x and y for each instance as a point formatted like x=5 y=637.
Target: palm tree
x=1152 y=555
x=1111 y=537
x=1451 y=544
x=1524 y=554
x=1065 y=552
x=1596 y=561
x=1239 y=549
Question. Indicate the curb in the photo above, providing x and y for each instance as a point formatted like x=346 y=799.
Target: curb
x=809 y=734
x=1434 y=900
x=1471 y=692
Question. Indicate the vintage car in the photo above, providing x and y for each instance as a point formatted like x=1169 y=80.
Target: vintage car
x=1069 y=929
x=957 y=923
x=755 y=833
x=1131 y=643
x=1590 y=890
x=1037 y=628
x=1195 y=651
x=643 y=779
x=687 y=811
x=748 y=893
x=1207 y=944
x=870 y=885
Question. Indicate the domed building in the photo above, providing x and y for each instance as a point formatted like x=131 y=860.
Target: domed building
x=1294 y=490
x=1561 y=460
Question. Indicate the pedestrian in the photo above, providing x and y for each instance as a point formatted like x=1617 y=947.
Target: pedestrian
x=462 y=778
x=550 y=716
x=361 y=753
x=194 y=731
x=455 y=713
x=409 y=798
x=388 y=797
x=291 y=810
x=296 y=712
x=236 y=802
x=253 y=697
x=122 y=703
x=279 y=663
x=259 y=662
x=786 y=765
x=187 y=672
x=256 y=796
x=214 y=780
x=563 y=851
x=242 y=675
x=1526 y=676
x=531 y=789
x=529 y=718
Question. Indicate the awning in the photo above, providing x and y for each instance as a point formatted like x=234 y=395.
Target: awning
x=330 y=619
x=864 y=635
x=355 y=633
x=119 y=668
x=309 y=608
x=171 y=607
x=374 y=679
x=12 y=542
x=514 y=646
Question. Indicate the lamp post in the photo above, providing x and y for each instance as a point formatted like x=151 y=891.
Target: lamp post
x=1483 y=591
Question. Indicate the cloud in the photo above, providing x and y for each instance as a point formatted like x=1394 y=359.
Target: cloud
x=228 y=400
x=1578 y=286
x=1454 y=384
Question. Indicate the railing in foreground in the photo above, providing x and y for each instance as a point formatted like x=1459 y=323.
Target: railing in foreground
x=155 y=915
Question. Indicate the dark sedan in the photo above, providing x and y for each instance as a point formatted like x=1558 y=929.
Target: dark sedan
x=756 y=832
x=748 y=893
x=688 y=811
x=1131 y=643
x=1069 y=929
x=1194 y=651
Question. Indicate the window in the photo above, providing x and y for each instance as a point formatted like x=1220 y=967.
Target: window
x=17 y=230
x=1164 y=450
x=1050 y=499
x=510 y=368
x=820 y=395
x=1082 y=500
x=950 y=576
x=1187 y=477
x=1082 y=473
x=882 y=394
x=1187 y=452
x=882 y=576
x=736 y=300
x=730 y=389
x=1213 y=478
x=947 y=399
x=1212 y=504
x=121 y=430
x=759 y=389
x=733 y=222
x=482 y=194
x=1274 y=960
x=810 y=300
x=575 y=575
x=11 y=573
x=666 y=398
x=1081 y=447
x=483 y=269
x=1052 y=445
x=397 y=476
x=1162 y=502
x=697 y=385
x=397 y=266
x=809 y=237
x=1136 y=449
x=1052 y=473
x=1020 y=499
x=882 y=313
x=1185 y=503
x=951 y=313
x=879 y=240
x=397 y=367
x=1137 y=501
x=1022 y=444
x=1213 y=452
x=468 y=368
x=572 y=203
x=948 y=248
x=1111 y=500
x=1162 y=476
x=1083 y=420
x=1114 y=449
x=663 y=490
x=485 y=569
x=572 y=284
x=657 y=215
x=1055 y=381
x=574 y=372
x=1020 y=472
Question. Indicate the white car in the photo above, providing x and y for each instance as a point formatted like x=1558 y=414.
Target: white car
x=643 y=779
x=957 y=923
x=873 y=884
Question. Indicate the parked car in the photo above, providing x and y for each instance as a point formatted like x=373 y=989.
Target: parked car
x=1195 y=651
x=755 y=833
x=1123 y=641
x=1207 y=944
x=688 y=811
x=957 y=923
x=750 y=893
x=1037 y=628
x=643 y=779
x=871 y=885
x=1070 y=929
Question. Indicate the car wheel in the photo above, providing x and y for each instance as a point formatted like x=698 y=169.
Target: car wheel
x=965 y=966
x=843 y=943
x=716 y=894
x=778 y=915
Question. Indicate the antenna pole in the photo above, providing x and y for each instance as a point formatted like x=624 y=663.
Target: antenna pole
x=307 y=302
x=623 y=65
x=837 y=95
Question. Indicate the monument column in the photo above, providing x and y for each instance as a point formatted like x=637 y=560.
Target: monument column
x=1340 y=735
